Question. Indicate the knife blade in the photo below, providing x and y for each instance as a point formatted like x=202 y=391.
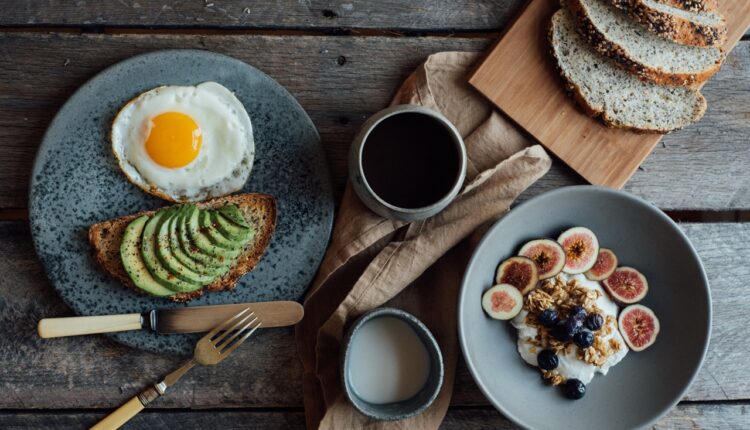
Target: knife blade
x=194 y=319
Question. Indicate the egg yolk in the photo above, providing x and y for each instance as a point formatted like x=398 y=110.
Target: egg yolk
x=174 y=140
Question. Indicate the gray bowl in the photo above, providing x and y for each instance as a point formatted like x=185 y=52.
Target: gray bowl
x=407 y=408
x=644 y=385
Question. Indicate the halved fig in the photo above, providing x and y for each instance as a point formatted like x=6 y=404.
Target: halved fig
x=605 y=265
x=581 y=249
x=520 y=272
x=502 y=302
x=639 y=326
x=626 y=285
x=547 y=254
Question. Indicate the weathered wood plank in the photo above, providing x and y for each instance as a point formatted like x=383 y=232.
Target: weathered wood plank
x=724 y=254
x=94 y=372
x=340 y=81
x=694 y=416
x=149 y=420
x=415 y=15
x=419 y=15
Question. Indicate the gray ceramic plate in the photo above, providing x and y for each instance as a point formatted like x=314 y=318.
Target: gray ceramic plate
x=76 y=182
x=644 y=385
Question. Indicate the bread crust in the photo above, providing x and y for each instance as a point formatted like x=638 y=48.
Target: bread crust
x=693 y=5
x=676 y=28
x=105 y=238
x=624 y=59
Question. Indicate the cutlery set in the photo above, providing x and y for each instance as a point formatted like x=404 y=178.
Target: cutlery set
x=229 y=325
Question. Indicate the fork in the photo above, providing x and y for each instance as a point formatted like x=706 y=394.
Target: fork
x=211 y=349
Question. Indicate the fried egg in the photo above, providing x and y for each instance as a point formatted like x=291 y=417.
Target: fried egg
x=185 y=143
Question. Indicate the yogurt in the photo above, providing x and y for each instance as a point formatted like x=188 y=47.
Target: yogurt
x=569 y=365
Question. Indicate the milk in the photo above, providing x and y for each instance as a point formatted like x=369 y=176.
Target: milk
x=387 y=361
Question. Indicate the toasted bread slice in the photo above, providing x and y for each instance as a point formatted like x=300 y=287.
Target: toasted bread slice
x=258 y=209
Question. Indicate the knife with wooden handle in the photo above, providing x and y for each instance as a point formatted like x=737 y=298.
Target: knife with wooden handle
x=194 y=319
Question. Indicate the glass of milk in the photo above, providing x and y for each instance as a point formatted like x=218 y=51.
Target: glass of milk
x=391 y=367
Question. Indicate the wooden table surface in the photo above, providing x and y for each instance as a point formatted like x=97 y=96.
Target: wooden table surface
x=342 y=61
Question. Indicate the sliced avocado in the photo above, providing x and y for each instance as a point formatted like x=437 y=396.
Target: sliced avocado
x=130 y=253
x=174 y=241
x=192 y=250
x=230 y=229
x=234 y=214
x=154 y=266
x=168 y=259
x=200 y=239
x=214 y=235
x=182 y=256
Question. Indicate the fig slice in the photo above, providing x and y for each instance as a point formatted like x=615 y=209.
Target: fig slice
x=605 y=265
x=520 y=272
x=547 y=254
x=626 y=285
x=502 y=302
x=581 y=249
x=639 y=326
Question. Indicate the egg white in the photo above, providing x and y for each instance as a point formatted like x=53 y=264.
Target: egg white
x=227 y=151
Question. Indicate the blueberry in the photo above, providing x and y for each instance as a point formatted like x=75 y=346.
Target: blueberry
x=560 y=332
x=573 y=326
x=547 y=359
x=583 y=338
x=574 y=389
x=548 y=318
x=594 y=322
x=577 y=313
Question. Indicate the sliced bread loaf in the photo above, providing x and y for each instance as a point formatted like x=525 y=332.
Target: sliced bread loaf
x=702 y=28
x=692 y=5
x=619 y=97
x=653 y=58
x=259 y=210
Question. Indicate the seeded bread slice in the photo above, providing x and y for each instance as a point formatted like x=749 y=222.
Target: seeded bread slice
x=704 y=28
x=652 y=58
x=258 y=209
x=620 y=98
x=692 y=5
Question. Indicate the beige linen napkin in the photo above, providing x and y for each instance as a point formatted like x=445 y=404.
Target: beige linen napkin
x=371 y=260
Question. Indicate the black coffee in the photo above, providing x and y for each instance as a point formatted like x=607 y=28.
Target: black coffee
x=410 y=160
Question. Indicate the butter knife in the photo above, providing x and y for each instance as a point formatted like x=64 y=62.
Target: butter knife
x=193 y=319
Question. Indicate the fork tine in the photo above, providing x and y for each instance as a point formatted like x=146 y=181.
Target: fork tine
x=236 y=330
x=227 y=351
x=220 y=338
x=226 y=323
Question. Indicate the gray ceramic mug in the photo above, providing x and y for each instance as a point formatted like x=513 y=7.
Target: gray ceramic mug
x=365 y=191
x=406 y=408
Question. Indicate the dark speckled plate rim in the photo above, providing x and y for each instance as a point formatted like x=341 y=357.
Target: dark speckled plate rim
x=79 y=94
x=571 y=191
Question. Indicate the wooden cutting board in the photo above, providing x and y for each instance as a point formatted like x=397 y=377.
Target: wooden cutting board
x=519 y=76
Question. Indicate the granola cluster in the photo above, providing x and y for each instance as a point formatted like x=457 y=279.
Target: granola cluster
x=562 y=296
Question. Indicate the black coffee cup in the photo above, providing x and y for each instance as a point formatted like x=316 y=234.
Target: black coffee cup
x=407 y=162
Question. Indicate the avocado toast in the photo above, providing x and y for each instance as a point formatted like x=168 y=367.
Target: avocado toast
x=180 y=251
